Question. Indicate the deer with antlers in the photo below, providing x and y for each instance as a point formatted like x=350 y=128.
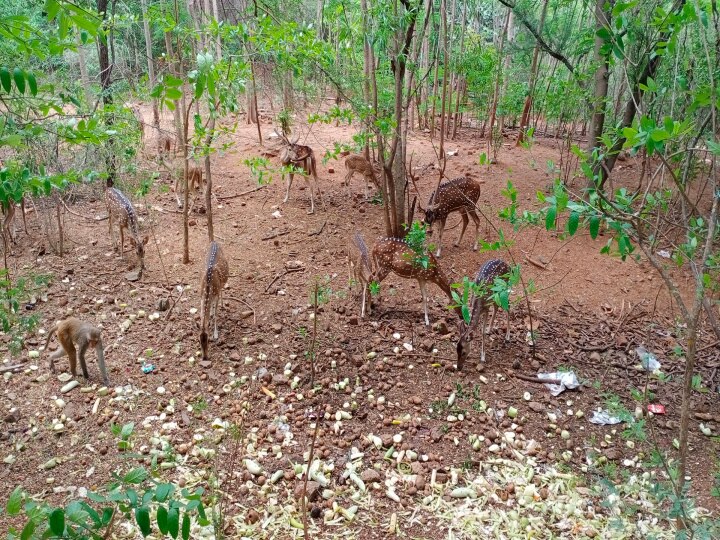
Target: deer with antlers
x=457 y=195
x=303 y=158
x=397 y=256
x=481 y=304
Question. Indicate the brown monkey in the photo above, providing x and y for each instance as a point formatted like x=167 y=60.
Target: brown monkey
x=74 y=333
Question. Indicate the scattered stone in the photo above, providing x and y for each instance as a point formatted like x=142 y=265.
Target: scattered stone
x=613 y=454
x=313 y=490
x=441 y=327
x=12 y=417
x=276 y=327
x=537 y=407
x=163 y=304
x=370 y=475
x=252 y=516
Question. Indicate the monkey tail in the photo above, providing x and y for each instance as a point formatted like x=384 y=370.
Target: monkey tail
x=49 y=337
x=359 y=242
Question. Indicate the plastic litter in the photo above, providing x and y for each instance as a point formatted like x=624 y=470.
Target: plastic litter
x=604 y=418
x=656 y=408
x=147 y=368
x=568 y=380
x=648 y=359
x=664 y=253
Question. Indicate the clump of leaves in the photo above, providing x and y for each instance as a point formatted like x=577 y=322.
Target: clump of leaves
x=498 y=291
x=415 y=238
x=133 y=496
x=14 y=320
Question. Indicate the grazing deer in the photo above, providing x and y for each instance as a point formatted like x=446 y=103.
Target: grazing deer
x=120 y=209
x=481 y=304
x=395 y=255
x=301 y=157
x=360 y=266
x=457 y=195
x=357 y=163
x=212 y=281
x=195 y=184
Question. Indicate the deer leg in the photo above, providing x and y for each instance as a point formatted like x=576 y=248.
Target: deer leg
x=364 y=296
x=177 y=193
x=482 y=336
x=289 y=184
x=423 y=291
x=214 y=315
x=492 y=319
x=476 y=219
x=441 y=228
x=312 y=198
x=507 y=331
x=465 y=221
x=122 y=243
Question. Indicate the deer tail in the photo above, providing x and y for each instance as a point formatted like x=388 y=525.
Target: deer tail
x=359 y=242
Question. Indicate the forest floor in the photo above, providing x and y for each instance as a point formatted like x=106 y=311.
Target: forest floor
x=387 y=375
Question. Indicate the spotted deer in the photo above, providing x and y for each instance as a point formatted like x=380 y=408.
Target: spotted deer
x=360 y=266
x=356 y=163
x=137 y=113
x=396 y=256
x=303 y=158
x=195 y=184
x=457 y=195
x=480 y=305
x=121 y=210
x=212 y=280
x=165 y=145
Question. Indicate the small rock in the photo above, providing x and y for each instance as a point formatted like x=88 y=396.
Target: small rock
x=613 y=454
x=252 y=516
x=276 y=327
x=436 y=434
x=205 y=363
x=370 y=475
x=441 y=327
x=537 y=407
x=595 y=356
x=353 y=320
x=313 y=490
x=12 y=417
x=163 y=304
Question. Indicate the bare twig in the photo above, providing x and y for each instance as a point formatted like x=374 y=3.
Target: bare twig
x=244 y=302
x=281 y=233
x=536 y=379
x=225 y=197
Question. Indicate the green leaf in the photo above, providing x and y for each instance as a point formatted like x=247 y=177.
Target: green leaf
x=713 y=147
x=32 y=83
x=51 y=9
x=174 y=522
x=19 y=77
x=5 y=79
x=186 y=526
x=14 y=503
x=162 y=492
x=28 y=530
x=162 y=519
x=594 y=226
x=573 y=222
x=142 y=516
x=550 y=218
x=57 y=522
x=172 y=81
x=173 y=93
x=136 y=476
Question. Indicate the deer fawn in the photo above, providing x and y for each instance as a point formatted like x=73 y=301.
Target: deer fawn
x=303 y=158
x=480 y=306
x=195 y=184
x=395 y=255
x=121 y=210
x=8 y=222
x=457 y=195
x=212 y=280
x=357 y=163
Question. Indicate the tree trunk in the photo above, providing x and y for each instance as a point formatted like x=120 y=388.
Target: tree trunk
x=177 y=115
x=602 y=75
x=367 y=63
x=443 y=99
x=208 y=175
x=218 y=43
x=150 y=66
x=84 y=79
x=105 y=82
x=498 y=78
x=525 y=118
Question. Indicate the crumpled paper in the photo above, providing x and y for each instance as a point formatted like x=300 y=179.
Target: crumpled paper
x=568 y=380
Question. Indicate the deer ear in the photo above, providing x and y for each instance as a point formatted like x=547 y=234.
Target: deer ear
x=145 y=240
